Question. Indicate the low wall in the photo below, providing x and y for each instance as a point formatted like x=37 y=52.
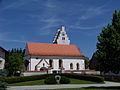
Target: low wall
x=88 y=72
x=30 y=73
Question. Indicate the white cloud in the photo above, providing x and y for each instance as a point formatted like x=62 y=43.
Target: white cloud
x=8 y=40
x=92 y=12
x=49 y=23
x=4 y=37
x=88 y=28
x=50 y=4
x=18 y=3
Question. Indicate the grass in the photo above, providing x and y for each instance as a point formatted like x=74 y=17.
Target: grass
x=77 y=81
x=28 y=83
x=41 y=82
x=91 y=88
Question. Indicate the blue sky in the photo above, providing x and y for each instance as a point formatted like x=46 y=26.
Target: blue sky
x=24 y=21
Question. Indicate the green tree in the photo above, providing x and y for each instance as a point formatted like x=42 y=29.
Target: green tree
x=93 y=61
x=108 y=53
x=15 y=63
x=3 y=84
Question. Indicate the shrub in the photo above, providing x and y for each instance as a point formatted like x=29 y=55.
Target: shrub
x=3 y=85
x=64 y=80
x=85 y=77
x=93 y=78
x=24 y=78
x=52 y=80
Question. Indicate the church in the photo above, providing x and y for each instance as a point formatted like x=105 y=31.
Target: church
x=56 y=57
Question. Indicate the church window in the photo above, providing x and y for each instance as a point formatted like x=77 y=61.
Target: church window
x=63 y=38
x=63 y=34
x=0 y=62
x=71 y=66
x=60 y=63
x=77 y=65
x=43 y=64
x=36 y=57
x=51 y=63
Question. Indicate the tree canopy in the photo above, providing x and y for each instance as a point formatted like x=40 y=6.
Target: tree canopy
x=14 y=61
x=108 y=46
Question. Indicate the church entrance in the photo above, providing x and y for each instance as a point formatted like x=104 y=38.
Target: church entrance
x=54 y=72
x=43 y=69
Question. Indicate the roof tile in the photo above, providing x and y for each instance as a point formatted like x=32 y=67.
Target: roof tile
x=45 y=49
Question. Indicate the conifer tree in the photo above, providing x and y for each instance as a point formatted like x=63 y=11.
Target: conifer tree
x=108 y=53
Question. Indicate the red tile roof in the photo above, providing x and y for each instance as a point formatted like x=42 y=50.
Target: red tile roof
x=44 y=49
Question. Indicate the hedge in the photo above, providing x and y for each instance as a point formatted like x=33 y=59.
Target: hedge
x=39 y=77
x=52 y=80
x=93 y=78
x=24 y=78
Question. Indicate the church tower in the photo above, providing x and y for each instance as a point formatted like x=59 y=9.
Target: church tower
x=61 y=37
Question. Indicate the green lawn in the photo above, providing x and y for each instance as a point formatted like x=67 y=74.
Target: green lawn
x=110 y=88
x=28 y=83
x=77 y=81
x=41 y=82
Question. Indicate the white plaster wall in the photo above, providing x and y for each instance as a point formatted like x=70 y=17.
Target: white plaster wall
x=66 y=63
x=2 y=59
x=2 y=63
x=55 y=64
x=2 y=53
x=32 y=73
x=59 y=40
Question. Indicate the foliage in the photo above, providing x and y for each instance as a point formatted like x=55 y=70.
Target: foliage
x=85 y=77
x=93 y=62
x=108 y=53
x=2 y=81
x=14 y=61
x=17 y=79
x=52 y=80
x=93 y=78
x=64 y=80
x=41 y=82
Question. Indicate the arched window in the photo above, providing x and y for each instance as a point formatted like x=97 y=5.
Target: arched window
x=71 y=66
x=63 y=38
x=77 y=65
x=60 y=63
x=43 y=64
x=51 y=63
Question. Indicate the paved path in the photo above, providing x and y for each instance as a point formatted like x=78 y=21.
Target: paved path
x=45 y=87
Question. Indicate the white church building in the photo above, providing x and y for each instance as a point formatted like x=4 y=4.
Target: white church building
x=58 y=57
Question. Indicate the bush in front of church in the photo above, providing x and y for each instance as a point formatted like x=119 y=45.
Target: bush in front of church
x=52 y=80
x=93 y=78
x=64 y=80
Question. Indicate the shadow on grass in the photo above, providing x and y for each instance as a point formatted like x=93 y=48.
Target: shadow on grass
x=102 y=87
